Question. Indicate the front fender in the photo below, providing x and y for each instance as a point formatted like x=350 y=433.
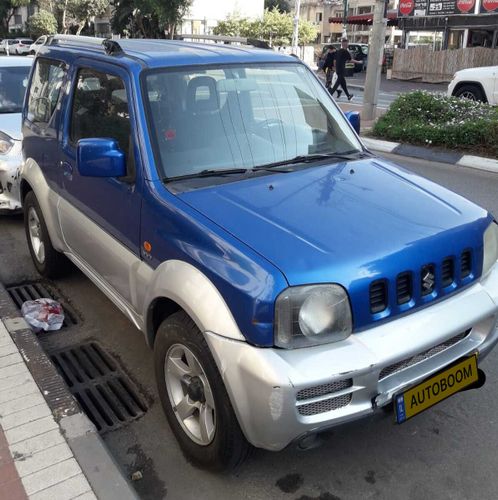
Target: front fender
x=188 y=287
x=47 y=199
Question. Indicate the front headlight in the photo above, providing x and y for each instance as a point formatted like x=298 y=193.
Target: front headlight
x=6 y=143
x=311 y=315
x=490 y=248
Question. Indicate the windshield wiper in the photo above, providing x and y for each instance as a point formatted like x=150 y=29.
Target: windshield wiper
x=348 y=155
x=207 y=173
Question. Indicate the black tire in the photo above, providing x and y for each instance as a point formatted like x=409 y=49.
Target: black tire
x=54 y=264
x=228 y=448
x=472 y=92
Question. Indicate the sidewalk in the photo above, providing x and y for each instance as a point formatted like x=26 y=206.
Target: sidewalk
x=49 y=449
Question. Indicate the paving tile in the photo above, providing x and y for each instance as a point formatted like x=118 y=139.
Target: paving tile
x=66 y=490
x=43 y=459
x=9 y=371
x=38 y=443
x=22 y=403
x=24 y=416
x=31 y=429
x=5 y=339
x=11 y=359
x=89 y=495
x=51 y=476
x=15 y=380
x=17 y=392
x=8 y=349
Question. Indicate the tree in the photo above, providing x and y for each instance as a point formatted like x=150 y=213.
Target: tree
x=7 y=8
x=280 y=5
x=41 y=23
x=274 y=27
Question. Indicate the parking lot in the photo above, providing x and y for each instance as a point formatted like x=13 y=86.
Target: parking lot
x=448 y=452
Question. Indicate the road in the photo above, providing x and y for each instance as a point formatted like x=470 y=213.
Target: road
x=448 y=452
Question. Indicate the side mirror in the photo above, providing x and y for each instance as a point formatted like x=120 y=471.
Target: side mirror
x=100 y=158
x=354 y=118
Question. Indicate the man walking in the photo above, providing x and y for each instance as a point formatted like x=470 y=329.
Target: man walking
x=328 y=67
x=342 y=56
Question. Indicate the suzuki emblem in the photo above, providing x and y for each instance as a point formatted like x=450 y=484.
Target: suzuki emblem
x=428 y=281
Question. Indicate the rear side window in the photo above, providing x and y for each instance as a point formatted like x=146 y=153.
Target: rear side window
x=100 y=108
x=46 y=84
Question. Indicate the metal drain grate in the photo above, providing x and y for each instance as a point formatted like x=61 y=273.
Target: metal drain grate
x=103 y=391
x=36 y=290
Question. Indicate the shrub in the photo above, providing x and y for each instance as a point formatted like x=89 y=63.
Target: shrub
x=41 y=23
x=433 y=119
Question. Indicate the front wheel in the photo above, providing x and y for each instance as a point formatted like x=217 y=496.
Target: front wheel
x=471 y=92
x=47 y=260
x=194 y=397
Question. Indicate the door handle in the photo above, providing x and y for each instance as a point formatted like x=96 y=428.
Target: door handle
x=67 y=170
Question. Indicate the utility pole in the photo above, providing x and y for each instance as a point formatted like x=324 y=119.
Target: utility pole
x=375 y=57
x=295 y=33
x=345 y=19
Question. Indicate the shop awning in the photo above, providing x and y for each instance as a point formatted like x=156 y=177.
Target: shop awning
x=366 y=19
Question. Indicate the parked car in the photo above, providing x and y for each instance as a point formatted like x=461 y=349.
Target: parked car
x=287 y=279
x=477 y=84
x=35 y=46
x=14 y=73
x=6 y=46
x=21 y=46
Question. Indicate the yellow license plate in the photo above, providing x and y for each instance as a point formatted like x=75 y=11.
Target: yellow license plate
x=435 y=389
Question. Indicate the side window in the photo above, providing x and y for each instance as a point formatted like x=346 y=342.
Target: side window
x=48 y=77
x=100 y=108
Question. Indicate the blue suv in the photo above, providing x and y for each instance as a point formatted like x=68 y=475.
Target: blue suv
x=287 y=279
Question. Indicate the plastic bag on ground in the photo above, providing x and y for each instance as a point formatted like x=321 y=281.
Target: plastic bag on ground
x=43 y=314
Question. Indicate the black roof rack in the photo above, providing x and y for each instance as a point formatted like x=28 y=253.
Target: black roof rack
x=110 y=47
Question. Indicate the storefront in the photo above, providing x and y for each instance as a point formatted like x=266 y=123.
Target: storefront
x=449 y=24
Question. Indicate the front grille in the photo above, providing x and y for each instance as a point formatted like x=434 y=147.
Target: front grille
x=378 y=296
x=447 y=272
x=324 y=406
x=427 y=279
x=404 y=288
x=465 y=264
x=322 y=390
x=406 y=363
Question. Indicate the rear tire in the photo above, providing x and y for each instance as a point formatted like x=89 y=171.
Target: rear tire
x=471 y=92
x=194 y=397
x=48 y=262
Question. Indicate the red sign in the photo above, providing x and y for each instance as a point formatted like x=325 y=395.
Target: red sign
x=406 y=7
x=489 y=5
x=465 y=5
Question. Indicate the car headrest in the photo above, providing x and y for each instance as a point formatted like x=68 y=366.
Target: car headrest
x=202 y=95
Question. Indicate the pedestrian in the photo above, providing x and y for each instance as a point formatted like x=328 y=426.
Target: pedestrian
x=342 y=56
x=328 y=67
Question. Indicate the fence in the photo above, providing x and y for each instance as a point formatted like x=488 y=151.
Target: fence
x=422 y=63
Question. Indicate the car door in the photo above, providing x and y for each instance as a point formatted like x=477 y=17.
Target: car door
x=100 y=216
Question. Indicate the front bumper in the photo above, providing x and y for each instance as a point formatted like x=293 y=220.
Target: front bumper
x=282 y=395
x=10 y=164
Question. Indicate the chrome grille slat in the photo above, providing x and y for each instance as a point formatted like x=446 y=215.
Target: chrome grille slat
x=326 y=405
x=429 y=353
x=321 y=390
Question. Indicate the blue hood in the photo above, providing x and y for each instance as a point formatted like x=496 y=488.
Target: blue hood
x=349 y=223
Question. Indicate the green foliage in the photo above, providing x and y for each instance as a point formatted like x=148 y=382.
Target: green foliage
x=280 y=5
x=274 y=27
x=41 y=23
x=431 y=119
x=7 y=11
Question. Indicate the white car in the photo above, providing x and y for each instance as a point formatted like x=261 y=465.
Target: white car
x=14 y=76
x=477 y=84
x=6 y=47
x=21 y=46
x=37 y=45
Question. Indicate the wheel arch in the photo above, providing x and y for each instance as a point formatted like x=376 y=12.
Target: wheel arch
x=470 y=83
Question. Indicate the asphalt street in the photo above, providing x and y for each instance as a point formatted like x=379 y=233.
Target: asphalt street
x=447 y=452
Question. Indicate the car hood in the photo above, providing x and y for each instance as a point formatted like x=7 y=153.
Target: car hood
x=348 y=223
x=478 y=72
x=10 y=124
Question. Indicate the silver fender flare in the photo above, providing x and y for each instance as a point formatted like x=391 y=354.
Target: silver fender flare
x=47 y=199
x=185 y=285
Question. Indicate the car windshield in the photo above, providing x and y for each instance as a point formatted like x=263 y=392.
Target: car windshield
x=13 y=82
x=241 y=117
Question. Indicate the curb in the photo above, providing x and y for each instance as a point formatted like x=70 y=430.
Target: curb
x=420 y=152
x=97 y=464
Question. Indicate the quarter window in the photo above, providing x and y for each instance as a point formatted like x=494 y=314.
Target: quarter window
x=46 y=84
x=100 y=108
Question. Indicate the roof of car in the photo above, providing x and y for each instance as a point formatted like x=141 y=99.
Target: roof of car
x=15 y=61
x=161 y=53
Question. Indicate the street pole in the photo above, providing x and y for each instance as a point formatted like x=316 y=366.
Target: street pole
x=295 y=33
x=374 y=66
x=345 y=19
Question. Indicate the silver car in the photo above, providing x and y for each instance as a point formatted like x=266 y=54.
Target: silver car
x=14 y=73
